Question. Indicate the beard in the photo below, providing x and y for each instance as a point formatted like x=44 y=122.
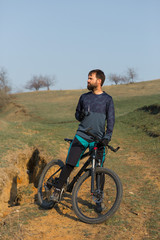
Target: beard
x=91 y=87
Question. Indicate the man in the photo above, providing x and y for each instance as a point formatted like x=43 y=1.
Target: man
x=93 y=109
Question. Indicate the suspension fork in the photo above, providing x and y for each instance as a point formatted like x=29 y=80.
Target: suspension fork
x=93 y=169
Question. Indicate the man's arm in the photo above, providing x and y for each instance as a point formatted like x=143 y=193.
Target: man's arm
x=79 y=115
x=110 y=120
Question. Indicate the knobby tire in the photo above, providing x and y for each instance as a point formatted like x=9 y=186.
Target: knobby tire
x=44 y=192
x=85 y=205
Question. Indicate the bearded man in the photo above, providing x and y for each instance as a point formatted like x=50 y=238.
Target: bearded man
x=95 y=108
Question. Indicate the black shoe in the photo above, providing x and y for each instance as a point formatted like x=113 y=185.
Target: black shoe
x=56 y=196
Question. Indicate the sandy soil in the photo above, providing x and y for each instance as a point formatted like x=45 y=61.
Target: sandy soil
x=61 y=222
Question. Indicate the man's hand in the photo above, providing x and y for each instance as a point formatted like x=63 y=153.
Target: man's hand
x=104 y=142
x=81 y=115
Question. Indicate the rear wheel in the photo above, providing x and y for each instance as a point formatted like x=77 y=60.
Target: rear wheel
x=103 y=203
x=47 y=183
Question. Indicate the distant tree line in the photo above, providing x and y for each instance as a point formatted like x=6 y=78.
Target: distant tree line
x=129 y=77
x=45 y=81
x=36 y=82
x=40 y=81
x=4 y=87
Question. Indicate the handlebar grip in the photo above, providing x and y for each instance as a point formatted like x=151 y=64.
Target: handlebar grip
x=68 y=140
x=113 y=149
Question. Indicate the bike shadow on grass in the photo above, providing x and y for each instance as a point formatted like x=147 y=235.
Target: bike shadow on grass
x=65 y=203
x=68 y=204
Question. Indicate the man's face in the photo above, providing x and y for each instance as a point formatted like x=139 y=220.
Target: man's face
x=92 y=82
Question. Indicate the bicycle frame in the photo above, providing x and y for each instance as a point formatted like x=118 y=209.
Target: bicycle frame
x=83 y=169
x=92 y=158
x=90 y=180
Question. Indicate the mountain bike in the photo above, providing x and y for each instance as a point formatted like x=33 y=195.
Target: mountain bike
x=96 y=191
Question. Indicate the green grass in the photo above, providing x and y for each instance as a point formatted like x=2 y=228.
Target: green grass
x=125 y=105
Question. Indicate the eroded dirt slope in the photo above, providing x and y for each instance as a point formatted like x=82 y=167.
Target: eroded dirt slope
x=61 y=222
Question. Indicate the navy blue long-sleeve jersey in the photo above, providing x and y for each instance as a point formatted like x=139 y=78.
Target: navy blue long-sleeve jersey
x=98 y=109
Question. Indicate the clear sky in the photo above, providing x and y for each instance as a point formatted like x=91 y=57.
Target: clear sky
x=68 y=38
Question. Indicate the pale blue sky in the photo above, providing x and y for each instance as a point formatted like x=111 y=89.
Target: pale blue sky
x=68 y=38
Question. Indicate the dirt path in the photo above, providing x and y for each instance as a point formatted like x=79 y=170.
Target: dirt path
x=61 y=223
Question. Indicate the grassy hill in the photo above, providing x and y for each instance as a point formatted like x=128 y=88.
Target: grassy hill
x=51 y=114
x=37 y=122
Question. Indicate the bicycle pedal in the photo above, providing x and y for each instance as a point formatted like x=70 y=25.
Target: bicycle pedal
x=57 y=195
x=61 y=193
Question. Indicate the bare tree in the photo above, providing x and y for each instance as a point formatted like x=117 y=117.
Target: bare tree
x=131 y=73
x=47 y=81
x=4 y=80
x=4 y=87
x=40 y=81
x=127 y=78
x=114 y=78
x=34 y=83
x=124 y=79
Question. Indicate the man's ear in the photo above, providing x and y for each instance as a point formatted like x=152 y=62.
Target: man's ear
x=99 y=81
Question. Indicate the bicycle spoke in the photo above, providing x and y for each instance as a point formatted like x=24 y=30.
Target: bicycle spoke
x=88 y=203
x=48 y=182
x=96 y=207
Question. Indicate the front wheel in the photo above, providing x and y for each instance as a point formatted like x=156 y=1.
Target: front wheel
x=103 y=203
x=47 y=182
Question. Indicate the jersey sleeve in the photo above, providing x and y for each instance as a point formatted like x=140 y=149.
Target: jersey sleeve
x=110 y=120
x=79 y=109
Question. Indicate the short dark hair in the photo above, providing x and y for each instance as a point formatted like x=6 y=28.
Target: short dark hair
x=99 y=74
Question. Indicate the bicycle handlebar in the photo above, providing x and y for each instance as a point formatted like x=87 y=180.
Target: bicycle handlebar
x=95 y=139
x=113 y=149
x=68 y=140
x=99 y=140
